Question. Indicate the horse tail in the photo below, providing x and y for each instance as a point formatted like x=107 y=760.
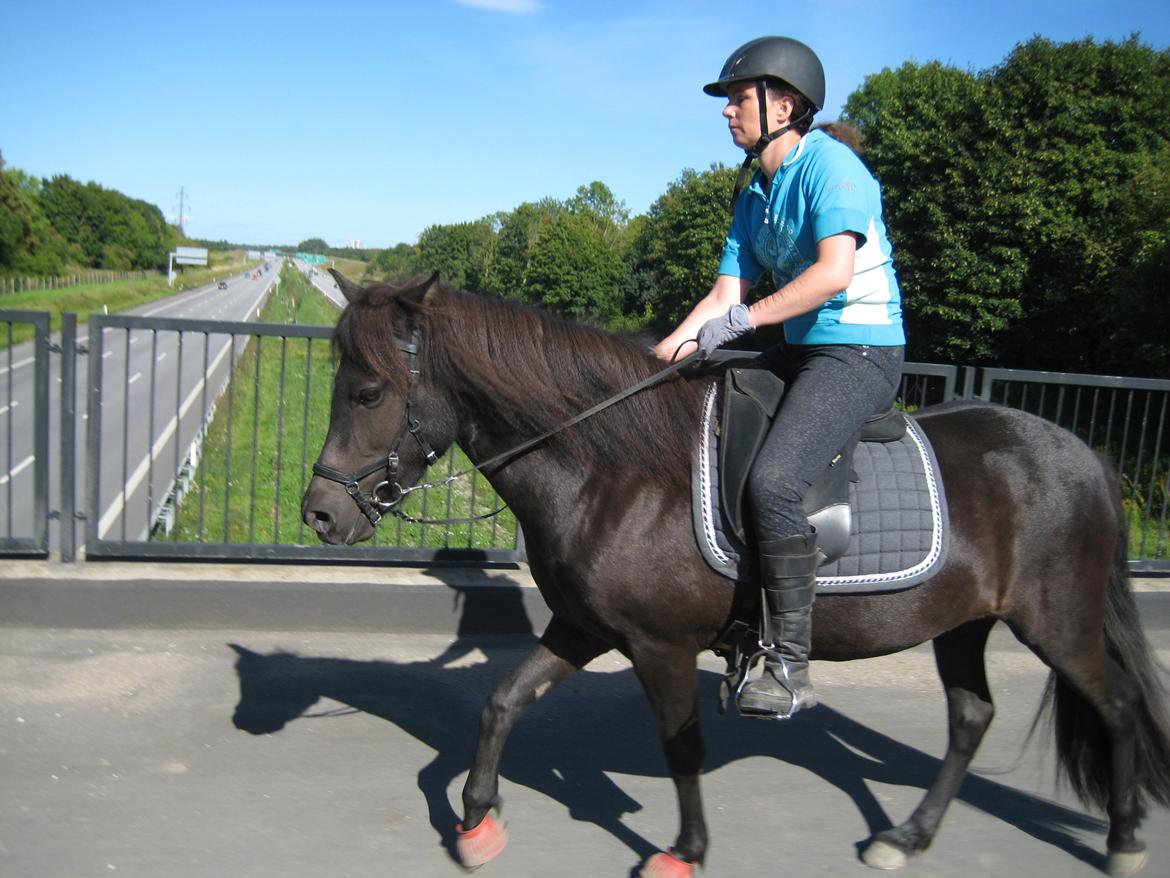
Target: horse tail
x=1082 y=739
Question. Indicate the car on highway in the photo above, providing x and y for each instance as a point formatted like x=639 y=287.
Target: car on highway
x=222 y=285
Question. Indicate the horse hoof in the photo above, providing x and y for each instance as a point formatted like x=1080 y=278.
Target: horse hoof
x=664 y=865
x=481 y=844
x=1121 y=863
x=881 y=855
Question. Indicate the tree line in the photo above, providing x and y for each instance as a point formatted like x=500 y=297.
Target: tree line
x=49 y=226
x=1028 y=205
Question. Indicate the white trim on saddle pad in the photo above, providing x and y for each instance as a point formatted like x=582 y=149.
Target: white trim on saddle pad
x=899 y=533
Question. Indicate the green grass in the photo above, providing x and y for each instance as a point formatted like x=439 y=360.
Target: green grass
x=354 y=269
x=267 y=431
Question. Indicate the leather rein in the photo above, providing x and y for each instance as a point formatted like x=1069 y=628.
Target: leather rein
x=389 y=493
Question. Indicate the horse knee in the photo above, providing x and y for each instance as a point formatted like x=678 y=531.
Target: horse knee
x=501 y=707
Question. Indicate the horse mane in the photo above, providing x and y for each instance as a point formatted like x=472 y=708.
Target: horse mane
x=518 y=369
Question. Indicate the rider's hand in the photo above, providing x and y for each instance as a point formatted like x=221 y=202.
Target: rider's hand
x=718 y=331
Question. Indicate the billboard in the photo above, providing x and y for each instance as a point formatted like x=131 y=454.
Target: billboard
x=190 y=255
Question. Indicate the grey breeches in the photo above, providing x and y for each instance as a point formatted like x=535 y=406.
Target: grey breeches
x=831 y=390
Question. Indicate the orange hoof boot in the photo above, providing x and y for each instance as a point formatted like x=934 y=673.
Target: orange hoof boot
x=665 y=865
x=482 y=844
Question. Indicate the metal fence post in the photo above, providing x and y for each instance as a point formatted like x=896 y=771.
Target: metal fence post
x=93 y=432
x=67 y=535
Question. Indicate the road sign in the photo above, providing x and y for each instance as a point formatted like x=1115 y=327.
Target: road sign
x=190 y=255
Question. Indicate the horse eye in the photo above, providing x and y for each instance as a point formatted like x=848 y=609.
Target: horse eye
x=369 y=396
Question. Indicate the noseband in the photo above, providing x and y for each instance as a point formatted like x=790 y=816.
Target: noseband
x=388 y=493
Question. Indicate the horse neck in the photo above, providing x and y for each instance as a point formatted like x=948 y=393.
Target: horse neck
x=512 y=375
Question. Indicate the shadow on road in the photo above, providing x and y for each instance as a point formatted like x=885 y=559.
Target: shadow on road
x=566 y=758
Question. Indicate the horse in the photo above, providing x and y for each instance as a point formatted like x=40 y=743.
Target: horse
x=1038 y=541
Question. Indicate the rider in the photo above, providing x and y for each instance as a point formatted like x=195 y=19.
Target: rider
x=812 y=216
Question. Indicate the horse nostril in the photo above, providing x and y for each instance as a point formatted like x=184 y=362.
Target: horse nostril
x=319 y=521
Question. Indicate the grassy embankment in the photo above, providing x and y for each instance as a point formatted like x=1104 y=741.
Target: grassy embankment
x=113 y=297
x=278 y=411
x=354 y=269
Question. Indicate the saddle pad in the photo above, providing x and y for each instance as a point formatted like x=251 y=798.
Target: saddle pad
x=898 y=533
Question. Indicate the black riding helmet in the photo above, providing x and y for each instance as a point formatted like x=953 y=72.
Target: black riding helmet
x=780 y=59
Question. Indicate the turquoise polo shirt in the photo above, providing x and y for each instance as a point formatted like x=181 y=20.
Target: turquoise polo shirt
x=820 y=189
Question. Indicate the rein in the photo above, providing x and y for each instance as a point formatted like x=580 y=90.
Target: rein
x=375 y=505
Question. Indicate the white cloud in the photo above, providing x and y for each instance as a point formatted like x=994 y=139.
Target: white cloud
x=514 y=7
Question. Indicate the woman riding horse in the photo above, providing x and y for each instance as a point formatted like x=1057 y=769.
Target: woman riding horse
x=812 y=215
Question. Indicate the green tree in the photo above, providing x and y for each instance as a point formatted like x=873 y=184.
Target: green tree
x=610 y=215
x=518 y=235
x=1093 y=139
x=463 y=253
x=394 y=263
x=103 y=227
x=312 y=245
x=28 y=243
x=1025 y=202
x=933 y=136
x=575 y=271
x=675 y=250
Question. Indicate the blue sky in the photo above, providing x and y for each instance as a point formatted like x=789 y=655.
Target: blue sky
x=372 y=120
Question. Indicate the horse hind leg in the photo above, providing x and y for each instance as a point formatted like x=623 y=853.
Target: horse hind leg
x=959 y=655
x=1095 y=701
x=1111 y=738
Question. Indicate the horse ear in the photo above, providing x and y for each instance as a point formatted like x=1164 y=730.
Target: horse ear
x=352 y=292
x=432 y=287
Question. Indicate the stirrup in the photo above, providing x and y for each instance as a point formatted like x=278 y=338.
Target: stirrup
x=798 y=701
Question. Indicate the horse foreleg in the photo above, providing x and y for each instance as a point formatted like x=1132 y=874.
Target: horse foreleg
x=562 y=650
x=959 y=656
x=671 y=679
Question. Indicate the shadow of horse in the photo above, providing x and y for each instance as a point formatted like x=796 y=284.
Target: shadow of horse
x=440 y=706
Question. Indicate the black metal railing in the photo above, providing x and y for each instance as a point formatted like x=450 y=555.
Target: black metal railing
x=1126 y=419
x=200 y=436
x=202 y=443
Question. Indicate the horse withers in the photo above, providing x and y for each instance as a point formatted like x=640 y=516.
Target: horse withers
x=1037 y=542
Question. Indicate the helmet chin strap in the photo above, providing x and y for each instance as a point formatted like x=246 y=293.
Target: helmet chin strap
x=760 y=145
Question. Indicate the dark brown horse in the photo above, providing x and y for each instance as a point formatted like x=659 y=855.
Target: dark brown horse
x=1038 y=542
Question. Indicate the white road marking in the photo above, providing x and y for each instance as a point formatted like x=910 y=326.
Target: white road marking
x=115 y=509
x=17 y=365
x=18 y=469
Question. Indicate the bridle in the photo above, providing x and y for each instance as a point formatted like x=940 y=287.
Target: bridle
x=388 y=493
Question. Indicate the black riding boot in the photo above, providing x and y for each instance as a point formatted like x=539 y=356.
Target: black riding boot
x=787 y=567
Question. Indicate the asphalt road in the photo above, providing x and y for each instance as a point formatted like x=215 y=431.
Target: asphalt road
x=285 y=750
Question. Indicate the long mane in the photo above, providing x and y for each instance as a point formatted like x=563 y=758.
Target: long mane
x=517 y=369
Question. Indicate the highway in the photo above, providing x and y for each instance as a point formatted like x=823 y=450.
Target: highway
x=137 y=367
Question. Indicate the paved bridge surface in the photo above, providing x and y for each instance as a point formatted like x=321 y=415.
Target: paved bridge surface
x=187 y=720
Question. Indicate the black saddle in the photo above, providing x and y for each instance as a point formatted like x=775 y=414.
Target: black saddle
x=751 y=398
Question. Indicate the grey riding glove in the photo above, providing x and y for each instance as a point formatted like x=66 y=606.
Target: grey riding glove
x=718 y=331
